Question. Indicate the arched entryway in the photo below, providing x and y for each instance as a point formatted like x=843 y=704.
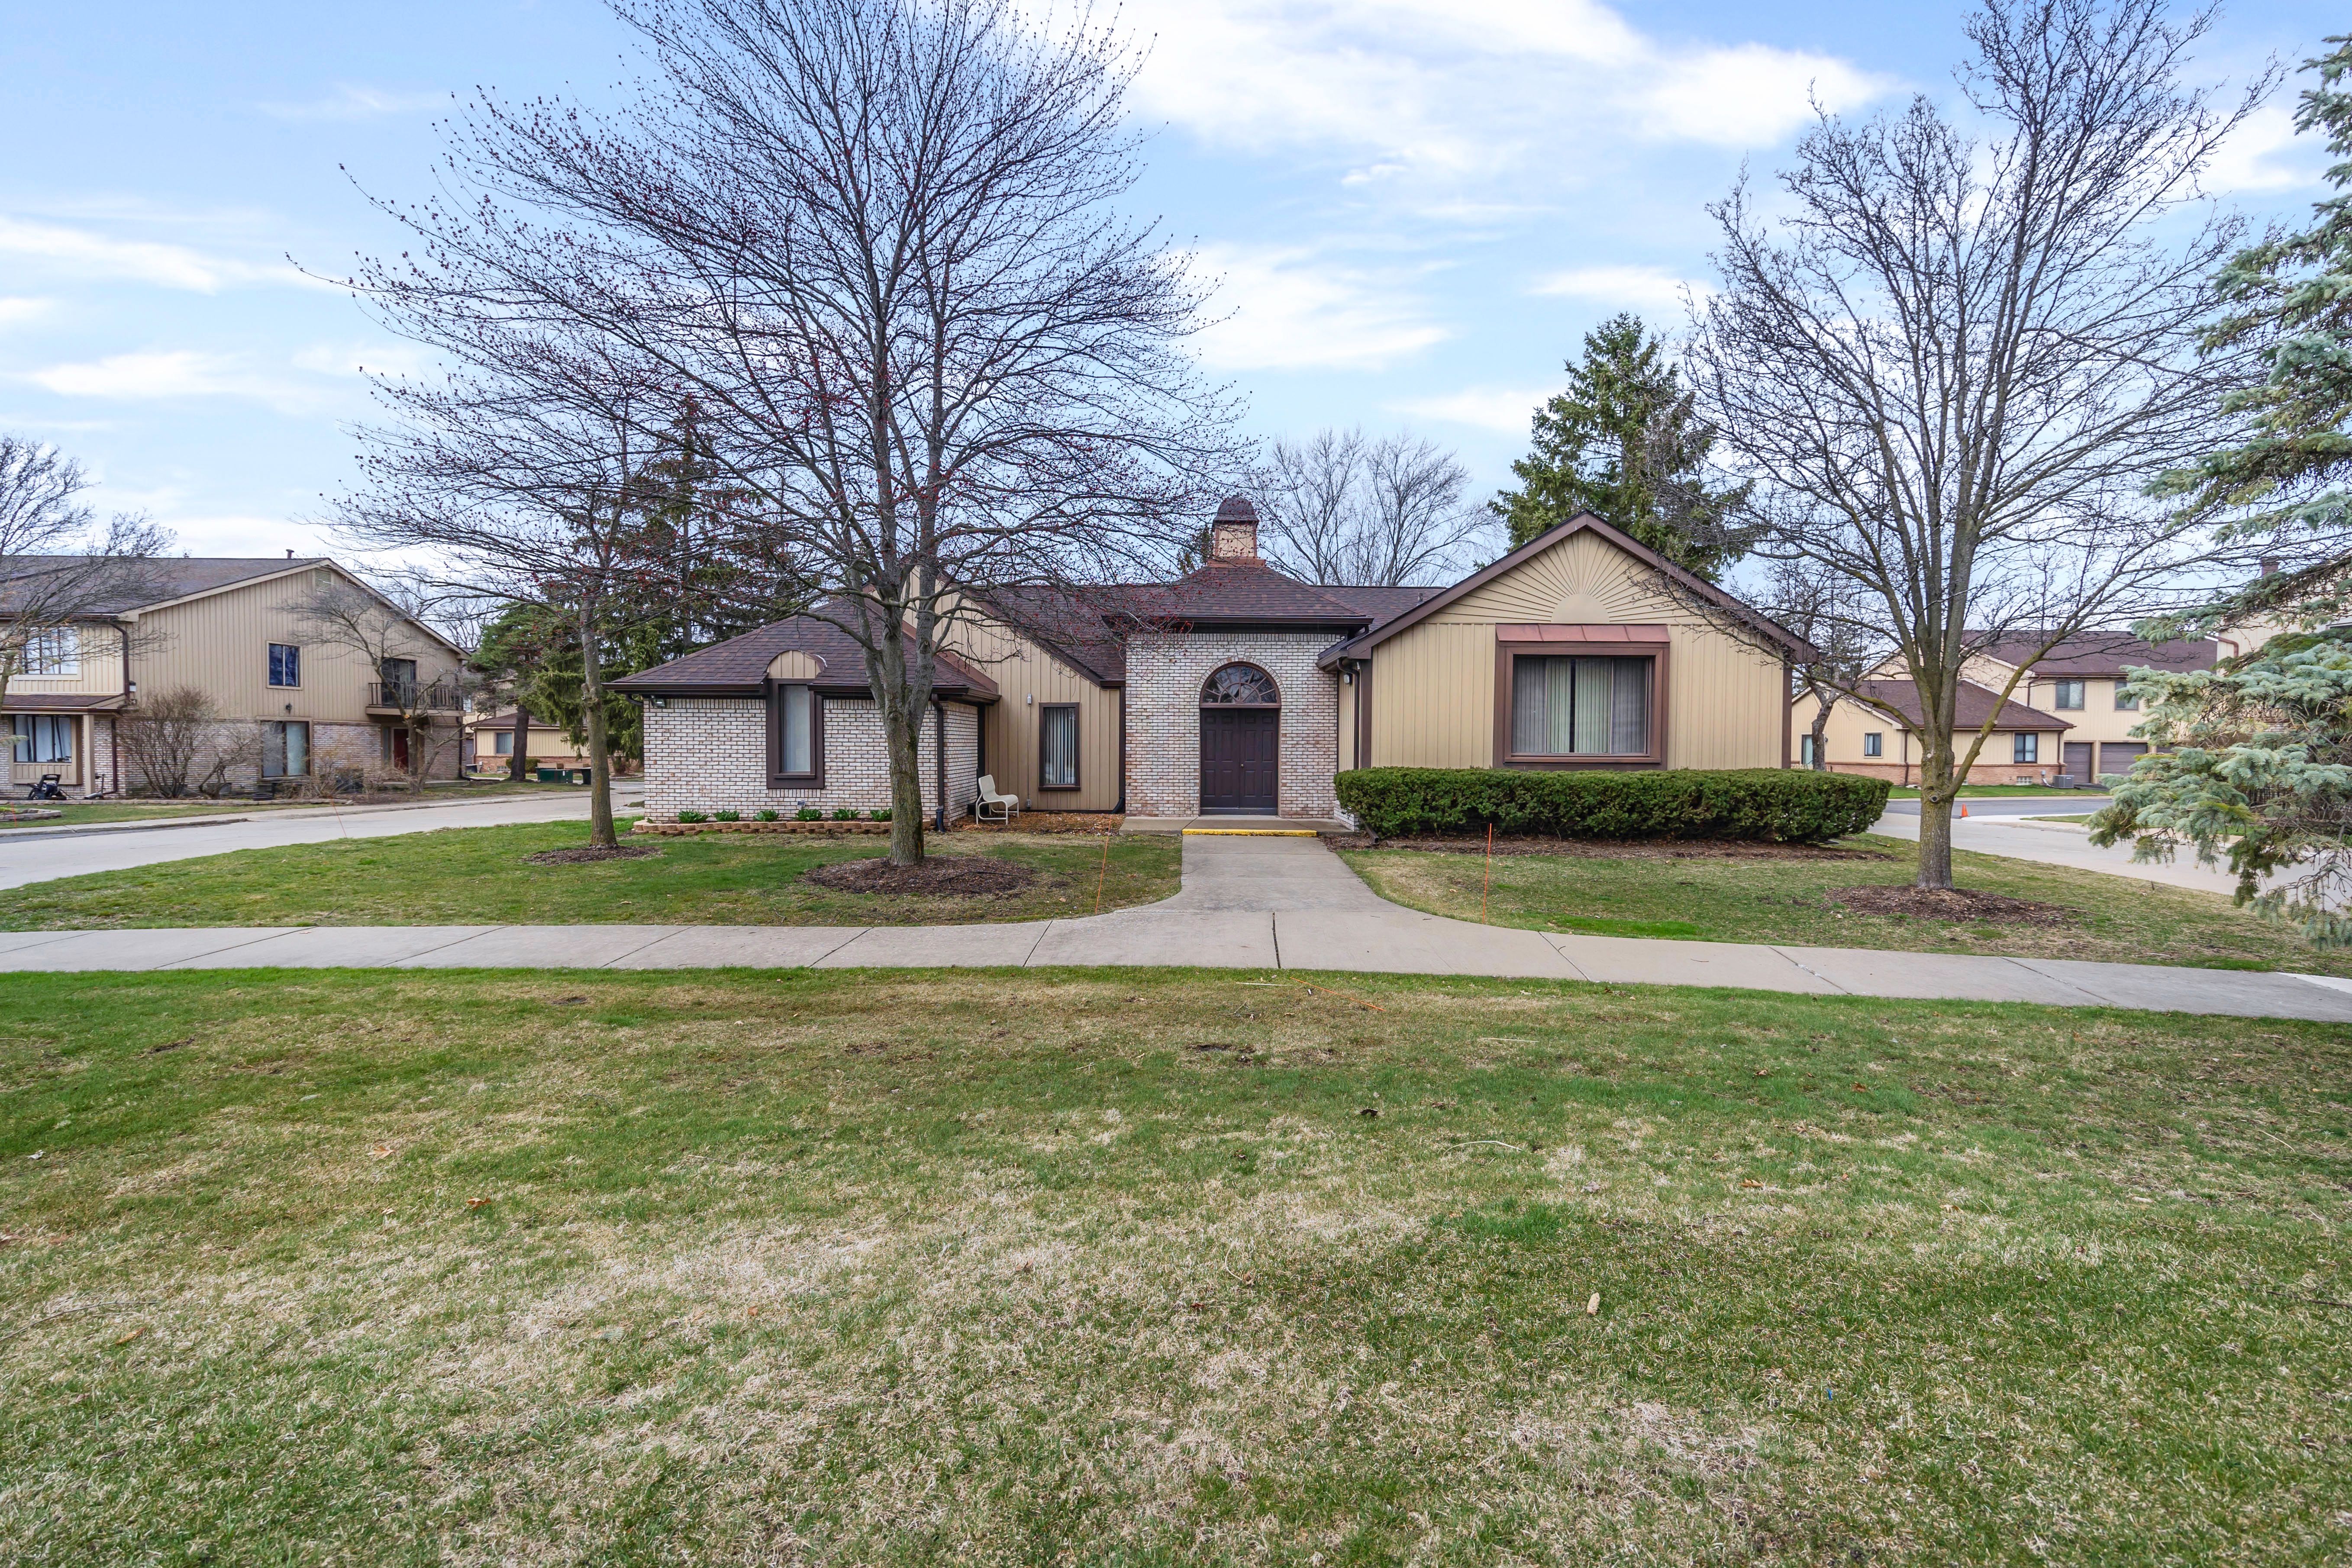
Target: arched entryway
x=1241 y=741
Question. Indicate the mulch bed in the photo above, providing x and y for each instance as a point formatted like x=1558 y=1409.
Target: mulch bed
x=939 y=876
x=588 y=855
x=1615 y=848
x=1048 y=822
x=1957 y=905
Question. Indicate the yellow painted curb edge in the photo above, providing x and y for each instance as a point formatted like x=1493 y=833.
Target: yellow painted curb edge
x=1250 y=832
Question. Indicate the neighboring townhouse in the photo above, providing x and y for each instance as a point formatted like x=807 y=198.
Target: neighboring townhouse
x=1237 y=689
x=2025 y=747
x=492 y=740
x=2081 y=680
x=292 y=706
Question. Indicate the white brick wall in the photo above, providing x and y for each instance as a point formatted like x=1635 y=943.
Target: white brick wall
x=709 y=754
x=1164 y=673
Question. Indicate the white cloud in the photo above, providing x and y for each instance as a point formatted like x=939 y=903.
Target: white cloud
x=1445 y=91
x=352 y=101
x=1651 y=289
x=1292 y=309
x=18 y=307
x=1751 y=95
x=83 y=253
x=379 y=358
x=154 y=375
x=1505 y=408
x=2262 y=156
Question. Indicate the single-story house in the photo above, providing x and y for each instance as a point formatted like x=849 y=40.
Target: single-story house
x=492 y=740
x=1237 y=689
x=2025 y=747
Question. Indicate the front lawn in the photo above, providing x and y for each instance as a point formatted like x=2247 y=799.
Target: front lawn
x=479 y=876
x=1694 y=892
x=1160 y=1268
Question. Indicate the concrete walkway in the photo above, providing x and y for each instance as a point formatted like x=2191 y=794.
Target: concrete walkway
x=1247 y=903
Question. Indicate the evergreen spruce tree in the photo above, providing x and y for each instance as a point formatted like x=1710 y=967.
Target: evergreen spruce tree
x=1625 y=443
x=2253 y=761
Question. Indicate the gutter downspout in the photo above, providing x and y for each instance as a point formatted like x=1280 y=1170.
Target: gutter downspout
x=939 y=750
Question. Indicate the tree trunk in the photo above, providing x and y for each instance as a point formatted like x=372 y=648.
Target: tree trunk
x=519 y=760
x=1938 y=787
x=902 y=728
x=601 y=835
x=1820 y=739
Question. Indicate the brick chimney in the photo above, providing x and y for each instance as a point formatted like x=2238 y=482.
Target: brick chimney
x=1234 y=535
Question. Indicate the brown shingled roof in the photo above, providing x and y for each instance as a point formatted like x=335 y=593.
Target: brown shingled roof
x=1225 y=592
x=739 y=666
x=1974 y=703
x=2101 y=655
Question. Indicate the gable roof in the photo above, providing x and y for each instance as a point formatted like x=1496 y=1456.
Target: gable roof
x=1974 y=704
x=1691 y=581
x=1244 y=592
x=165 y=580
x=2100 y=655
x=739 y=666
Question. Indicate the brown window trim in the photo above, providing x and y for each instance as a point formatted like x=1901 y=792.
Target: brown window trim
x=1077 y=770
x=1601 y=641
x=773 y=704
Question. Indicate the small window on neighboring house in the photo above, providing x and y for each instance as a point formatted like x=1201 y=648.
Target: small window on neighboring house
x=285 y=664
x=2070 y=694
x=57 y=651
x=2027 y=748
x=285 y=749
x=42 y=737
x=1874 y=743
x=2125 y=702
x=502 y=743
x=1057 y=746
x=1805 y=751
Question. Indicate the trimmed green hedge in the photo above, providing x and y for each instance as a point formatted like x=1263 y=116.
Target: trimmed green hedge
x=1772 y=806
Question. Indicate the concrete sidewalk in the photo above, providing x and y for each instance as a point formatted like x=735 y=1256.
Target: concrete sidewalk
x=1247 y=903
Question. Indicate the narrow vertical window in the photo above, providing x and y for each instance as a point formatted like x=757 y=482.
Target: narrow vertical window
x=796 y=730
x=285 y=664
x=1057 y=746
x=1874 y=743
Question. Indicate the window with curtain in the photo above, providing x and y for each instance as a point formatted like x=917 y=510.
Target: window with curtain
x=44 y=737
x=1057 y=747
x=1874 y=743
x=1580 y=707
x=285 y=749
x=2070 y=694
x=796 y=730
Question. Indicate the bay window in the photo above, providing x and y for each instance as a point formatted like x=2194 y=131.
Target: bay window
x=1576 y=705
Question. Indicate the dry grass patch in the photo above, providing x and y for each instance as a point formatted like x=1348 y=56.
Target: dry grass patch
x=986 y=1268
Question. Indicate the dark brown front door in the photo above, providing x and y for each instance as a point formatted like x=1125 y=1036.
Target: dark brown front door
x=1240 y=750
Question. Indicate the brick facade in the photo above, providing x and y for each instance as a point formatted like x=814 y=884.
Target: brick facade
x=1164 y=673
x=709 y=754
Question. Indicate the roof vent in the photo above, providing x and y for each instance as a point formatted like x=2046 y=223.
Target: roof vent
x=1234 y=535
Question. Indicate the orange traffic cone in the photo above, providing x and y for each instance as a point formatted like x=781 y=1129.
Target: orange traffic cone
x=1964 y=811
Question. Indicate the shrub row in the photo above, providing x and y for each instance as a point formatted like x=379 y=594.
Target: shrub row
x=1772 y=806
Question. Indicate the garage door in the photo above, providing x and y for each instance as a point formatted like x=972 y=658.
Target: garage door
x=2075 y=757
x=2117 y=756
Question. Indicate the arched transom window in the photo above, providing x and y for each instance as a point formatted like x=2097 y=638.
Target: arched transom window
x=1240 y=686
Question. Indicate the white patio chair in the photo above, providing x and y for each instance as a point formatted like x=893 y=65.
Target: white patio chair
x=1007 y=807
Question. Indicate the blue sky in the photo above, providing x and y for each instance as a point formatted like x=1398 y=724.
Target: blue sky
x=1416 y=209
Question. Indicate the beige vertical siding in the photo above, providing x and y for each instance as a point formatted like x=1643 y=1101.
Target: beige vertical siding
x=99 y=672
x=1028 y=676
x=220 y=644
x=1434 y=684
x=794 y=665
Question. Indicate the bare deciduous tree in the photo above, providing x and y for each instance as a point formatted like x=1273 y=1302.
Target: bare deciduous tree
x=175 y=743
x=872 y=239
x=522 y=475
x=1342 y=508
x=387 y=636
x=1954 y=362
x=58 y=566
